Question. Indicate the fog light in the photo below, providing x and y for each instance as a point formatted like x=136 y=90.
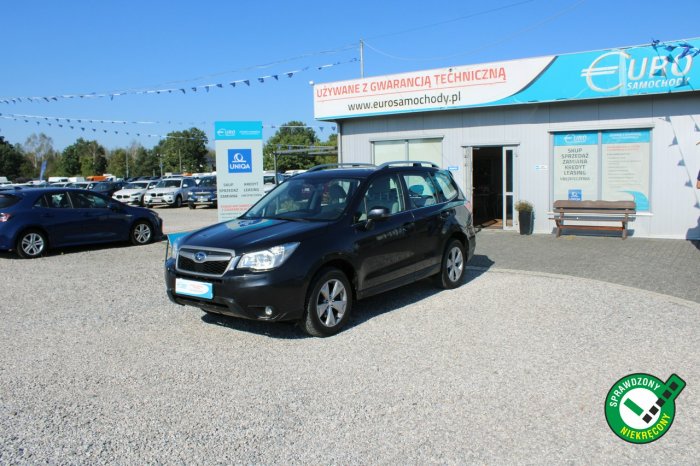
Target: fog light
x=268 y=311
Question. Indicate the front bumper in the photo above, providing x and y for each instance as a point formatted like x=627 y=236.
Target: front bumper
x=202 y=200
x=245 y=295
x=168 y=199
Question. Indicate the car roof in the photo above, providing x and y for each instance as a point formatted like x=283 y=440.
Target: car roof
x=362 y=170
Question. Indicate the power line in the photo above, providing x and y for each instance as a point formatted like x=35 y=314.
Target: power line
x=489 y=45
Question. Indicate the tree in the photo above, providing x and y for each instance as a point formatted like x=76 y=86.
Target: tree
x=183 y=151
x=38 y=147
x=146 y=163
x=292 y=135
x=12 y=160
x=117 y=162
x=85 y=158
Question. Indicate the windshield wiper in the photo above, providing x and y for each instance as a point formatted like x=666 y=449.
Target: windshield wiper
x=291 y=219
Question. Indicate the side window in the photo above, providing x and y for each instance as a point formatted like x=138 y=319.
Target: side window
x=421 y=191
x=41 y=202
x=83 y=200
x=56 y=201
x=446 y=185
x=384 y=191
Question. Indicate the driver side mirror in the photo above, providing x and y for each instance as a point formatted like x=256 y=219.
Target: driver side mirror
x=376 y=214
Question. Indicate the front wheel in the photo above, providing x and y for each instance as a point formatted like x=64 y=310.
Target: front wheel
x=453 y=265
x=328 y=304
x=141 y=233
x=178 y=202
x=31 y=244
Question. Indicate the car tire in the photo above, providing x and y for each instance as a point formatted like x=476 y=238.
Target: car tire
x=328 y=303
x=178 y=202
x=31 y=244
x=141 y=233
x=453 y=266
x=191 y=205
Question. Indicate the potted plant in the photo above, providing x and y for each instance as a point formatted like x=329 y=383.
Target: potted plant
x=525 y=216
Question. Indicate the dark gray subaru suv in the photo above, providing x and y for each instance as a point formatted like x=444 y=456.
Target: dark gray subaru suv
x=323 y=239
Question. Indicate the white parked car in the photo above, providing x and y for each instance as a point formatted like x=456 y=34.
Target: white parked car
x=132 y=193
x=169 y=191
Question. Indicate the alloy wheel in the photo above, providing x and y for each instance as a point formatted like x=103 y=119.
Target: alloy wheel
x=32 y=244
x=455 y=264
x=331 y=302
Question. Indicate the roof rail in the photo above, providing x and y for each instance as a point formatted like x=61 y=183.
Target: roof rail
x=326 y=166
x=412 y=163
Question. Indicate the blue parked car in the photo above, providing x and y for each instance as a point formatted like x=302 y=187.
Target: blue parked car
x=33 y=220
x=203 y=194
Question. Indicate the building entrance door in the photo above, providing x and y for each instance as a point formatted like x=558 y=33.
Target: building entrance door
x=489 y=183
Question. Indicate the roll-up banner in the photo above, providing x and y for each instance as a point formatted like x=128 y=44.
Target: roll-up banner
x=239 y=166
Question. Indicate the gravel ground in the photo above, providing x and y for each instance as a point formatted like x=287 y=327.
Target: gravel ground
x=98 y=367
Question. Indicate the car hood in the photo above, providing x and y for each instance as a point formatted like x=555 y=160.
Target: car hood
x=252 y=234
x=130 y=191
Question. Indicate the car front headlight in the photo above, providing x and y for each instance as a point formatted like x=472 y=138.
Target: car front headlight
x=268 y=259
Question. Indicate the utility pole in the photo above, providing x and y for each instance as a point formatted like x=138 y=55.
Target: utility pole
x=362 y=58
x=179 y=157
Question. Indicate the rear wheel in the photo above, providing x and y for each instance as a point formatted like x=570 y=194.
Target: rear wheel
x=328 y=304
x=141 y=233
x=453 y=265
x=31 y=244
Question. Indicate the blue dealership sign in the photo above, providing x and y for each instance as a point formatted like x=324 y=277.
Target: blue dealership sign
x=240 y=160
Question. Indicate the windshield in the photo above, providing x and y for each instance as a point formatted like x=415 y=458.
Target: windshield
x=136 y=186
x=321 y=198
x=211 y=182
x=169 y=184
x=269 y=179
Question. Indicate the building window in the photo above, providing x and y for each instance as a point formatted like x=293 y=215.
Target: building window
x=427 y=150
x=603 y=165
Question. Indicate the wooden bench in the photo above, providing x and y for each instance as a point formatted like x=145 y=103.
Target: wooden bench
x=594 y=211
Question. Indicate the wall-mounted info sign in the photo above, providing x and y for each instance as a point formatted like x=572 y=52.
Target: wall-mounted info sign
x=239 y=166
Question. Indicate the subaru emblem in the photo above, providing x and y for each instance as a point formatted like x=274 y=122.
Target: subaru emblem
x=200 y=257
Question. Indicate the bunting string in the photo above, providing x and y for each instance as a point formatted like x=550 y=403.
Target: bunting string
x=688 y=49
x=83 y=124
x=171 y=90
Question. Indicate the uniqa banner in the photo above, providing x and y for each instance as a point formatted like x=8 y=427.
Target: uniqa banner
x=239 y=166
x=652 y=69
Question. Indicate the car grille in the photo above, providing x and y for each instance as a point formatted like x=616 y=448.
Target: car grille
x=202 y=261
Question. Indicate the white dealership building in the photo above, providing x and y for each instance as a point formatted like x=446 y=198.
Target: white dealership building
x=617 y=124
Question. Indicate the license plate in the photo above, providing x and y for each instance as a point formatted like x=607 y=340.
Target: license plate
x=203 y=199
x=194 y=288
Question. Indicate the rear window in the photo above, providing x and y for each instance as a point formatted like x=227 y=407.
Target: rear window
x=7 y=200
x=447 y=185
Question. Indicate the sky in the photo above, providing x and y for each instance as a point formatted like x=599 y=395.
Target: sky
x=130 y=50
